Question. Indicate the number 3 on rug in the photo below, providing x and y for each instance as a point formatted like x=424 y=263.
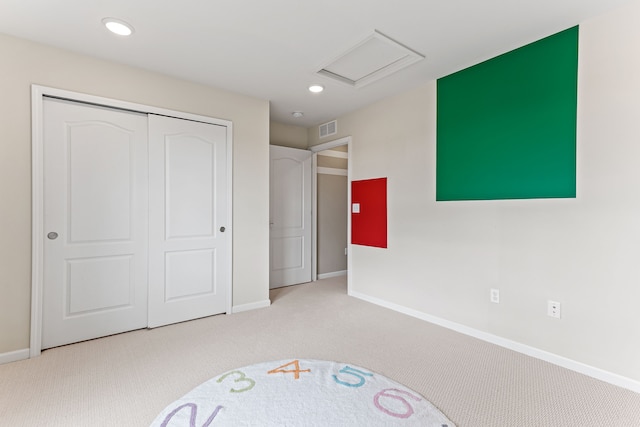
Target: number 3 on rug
x=242 y=379
x=296 y=371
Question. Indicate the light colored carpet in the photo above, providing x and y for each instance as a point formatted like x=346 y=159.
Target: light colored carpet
x=128 y=379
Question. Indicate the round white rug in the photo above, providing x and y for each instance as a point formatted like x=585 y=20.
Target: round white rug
x=301 y=393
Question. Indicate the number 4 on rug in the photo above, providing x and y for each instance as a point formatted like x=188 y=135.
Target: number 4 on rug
x=295 y=371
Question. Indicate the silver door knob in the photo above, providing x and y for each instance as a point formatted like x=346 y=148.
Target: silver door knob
x=222 y=229
x=52 y=236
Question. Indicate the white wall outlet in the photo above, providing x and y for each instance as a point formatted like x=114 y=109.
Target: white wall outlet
x=554 y=309
x=345 y=251
x=495 y=295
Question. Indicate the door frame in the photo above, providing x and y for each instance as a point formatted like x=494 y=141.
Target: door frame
x=38 y=93
x=314 y=201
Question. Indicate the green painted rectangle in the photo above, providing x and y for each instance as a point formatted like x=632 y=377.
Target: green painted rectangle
x=506 y=128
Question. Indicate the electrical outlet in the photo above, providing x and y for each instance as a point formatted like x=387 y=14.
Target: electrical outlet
x=554 y=309
x=495 y=295
x=345 y=251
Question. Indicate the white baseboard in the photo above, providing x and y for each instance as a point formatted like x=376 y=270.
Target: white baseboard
x=332 y=274
x=564 y=362
x=14 y=356
x=250 y=306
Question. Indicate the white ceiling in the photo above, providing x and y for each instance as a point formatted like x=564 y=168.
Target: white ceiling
x=272 y=49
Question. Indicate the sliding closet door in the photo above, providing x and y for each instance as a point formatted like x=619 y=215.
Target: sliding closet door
x=188 y=255
x=95 y=222
x=135 y=221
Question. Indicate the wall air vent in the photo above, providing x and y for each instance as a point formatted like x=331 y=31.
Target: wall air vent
x=375 y=57
x=328 y=129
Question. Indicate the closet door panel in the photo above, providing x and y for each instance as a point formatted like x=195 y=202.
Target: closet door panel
x=188 y=220
x=95 y=222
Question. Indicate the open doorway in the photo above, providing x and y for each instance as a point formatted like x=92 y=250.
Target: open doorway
x=332 y=230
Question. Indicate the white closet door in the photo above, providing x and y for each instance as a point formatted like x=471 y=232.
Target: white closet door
x=188 y=255
x=95 y=222
x=290 y=213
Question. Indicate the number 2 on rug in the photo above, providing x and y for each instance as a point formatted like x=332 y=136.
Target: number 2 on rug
x=242 y=379
x=193 y=408
x=295 y=372
x=348 y=370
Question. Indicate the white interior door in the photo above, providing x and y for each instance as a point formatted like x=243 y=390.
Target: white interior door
x=290 y=213
x=188 y=257
x=95 y=222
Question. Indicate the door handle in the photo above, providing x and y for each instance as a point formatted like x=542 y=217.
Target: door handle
x=52 y=235
x=222 y=229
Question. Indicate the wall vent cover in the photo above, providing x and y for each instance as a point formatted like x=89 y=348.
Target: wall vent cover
x=375 y=57
x=328 y=129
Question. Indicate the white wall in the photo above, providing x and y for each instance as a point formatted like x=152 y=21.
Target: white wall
x=332 y=222
x=288 y=135
x=444 y=257
x=24 y=63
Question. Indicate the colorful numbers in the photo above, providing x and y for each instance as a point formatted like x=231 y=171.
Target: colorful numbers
x=242 y=378
x=360 y=375
x=392 y=393
x=296 y=372
x=399 y=406
x=194 y=412
x=382 y=397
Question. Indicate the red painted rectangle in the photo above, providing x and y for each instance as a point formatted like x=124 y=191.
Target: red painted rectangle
x=369 y=225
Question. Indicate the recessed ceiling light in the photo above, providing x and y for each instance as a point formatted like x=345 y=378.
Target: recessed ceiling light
x=316 y=88
x=118 y=26
x=297 y=114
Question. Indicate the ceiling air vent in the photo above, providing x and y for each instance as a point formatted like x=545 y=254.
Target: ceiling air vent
x=373 y=58
x=328 y=129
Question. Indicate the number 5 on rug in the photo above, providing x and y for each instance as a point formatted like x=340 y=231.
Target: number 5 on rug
x=348 y=370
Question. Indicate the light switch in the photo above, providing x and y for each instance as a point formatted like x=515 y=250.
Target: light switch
x=355 y=208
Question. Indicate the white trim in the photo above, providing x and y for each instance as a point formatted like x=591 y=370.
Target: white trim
x=336 y=154
x=37 y=220
x=37 y=188
x=349 y=178
x=332 y=274
x=229 y=226
x=314 y=216
x=331 y=171
x=124 y=105
x=251 y=306
x=332 y=144
x=14 y=356
x=597 y=373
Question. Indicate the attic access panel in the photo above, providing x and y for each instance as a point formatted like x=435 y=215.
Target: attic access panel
x=372 y=59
